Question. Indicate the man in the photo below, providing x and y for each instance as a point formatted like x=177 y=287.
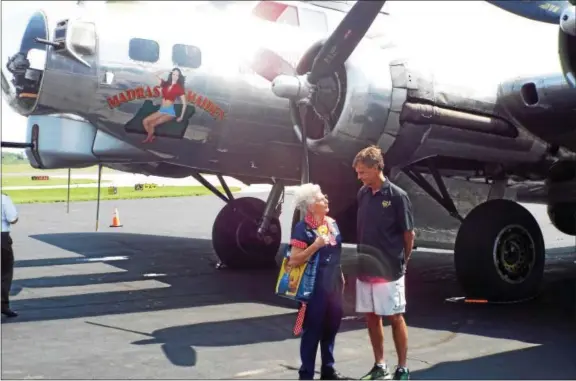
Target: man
x=9 y=217
x=385 y=230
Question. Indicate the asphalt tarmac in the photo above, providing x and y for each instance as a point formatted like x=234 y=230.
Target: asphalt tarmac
x=145 y=302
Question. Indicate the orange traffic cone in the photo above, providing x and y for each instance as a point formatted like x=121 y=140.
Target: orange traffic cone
x=116 y=219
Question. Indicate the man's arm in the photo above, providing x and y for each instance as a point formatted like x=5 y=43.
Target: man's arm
x=10 y=210
x=408 y=244
x=406 y=221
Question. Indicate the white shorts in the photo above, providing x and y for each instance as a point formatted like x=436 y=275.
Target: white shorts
x=383 y=299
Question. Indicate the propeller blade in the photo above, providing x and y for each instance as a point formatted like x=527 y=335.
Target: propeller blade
x=269 y=64
x=342 y=42
x=567 y=50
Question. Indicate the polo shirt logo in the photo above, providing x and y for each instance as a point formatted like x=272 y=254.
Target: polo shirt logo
x=386 y=203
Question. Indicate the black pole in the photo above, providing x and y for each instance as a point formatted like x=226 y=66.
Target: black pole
x=68 y=198
x=16 y=145
x=98 y=201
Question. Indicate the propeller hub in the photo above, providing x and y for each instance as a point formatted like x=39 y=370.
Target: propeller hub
x=568 y=21
x=291 y=87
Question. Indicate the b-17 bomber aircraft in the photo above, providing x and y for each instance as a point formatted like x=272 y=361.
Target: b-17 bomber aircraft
x=288 y=92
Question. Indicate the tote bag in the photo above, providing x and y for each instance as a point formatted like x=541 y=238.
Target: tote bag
x=297 y=282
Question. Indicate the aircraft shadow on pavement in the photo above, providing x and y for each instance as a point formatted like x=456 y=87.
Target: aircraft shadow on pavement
x=185 y=267
x=183 y=270
x=551 y=361
x=547 y=321
x=178 y=342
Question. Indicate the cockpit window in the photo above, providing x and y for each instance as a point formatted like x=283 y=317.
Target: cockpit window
x=144 y=50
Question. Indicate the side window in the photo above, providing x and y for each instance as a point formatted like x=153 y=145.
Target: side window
x=277 y=12
x=186 y=56
x=144 y=50
x=313 y=21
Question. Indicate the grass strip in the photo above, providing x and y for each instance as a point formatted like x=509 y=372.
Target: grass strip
x=30 y=196
x=26 y=181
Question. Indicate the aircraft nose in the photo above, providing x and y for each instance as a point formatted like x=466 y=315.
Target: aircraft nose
x=24 y=63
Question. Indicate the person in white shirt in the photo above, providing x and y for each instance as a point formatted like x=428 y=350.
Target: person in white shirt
x=9 y=217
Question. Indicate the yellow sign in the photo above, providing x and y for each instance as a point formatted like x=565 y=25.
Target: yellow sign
x=141 y=187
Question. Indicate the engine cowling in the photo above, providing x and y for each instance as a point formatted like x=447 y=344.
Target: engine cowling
x=369 y=97
x=352 y=105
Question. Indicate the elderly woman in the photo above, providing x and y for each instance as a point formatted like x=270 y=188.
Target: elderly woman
x=319 y=233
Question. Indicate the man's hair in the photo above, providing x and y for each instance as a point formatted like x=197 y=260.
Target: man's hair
x=370 y=157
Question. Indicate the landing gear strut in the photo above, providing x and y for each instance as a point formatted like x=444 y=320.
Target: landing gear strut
x=246 y=232
x=499 y=250
x=443 y=198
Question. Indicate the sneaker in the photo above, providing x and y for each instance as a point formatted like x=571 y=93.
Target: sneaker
x=401 y=374
x=377 y=373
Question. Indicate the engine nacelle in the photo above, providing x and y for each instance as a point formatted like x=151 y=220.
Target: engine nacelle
x=382 y=97
x=355 y=101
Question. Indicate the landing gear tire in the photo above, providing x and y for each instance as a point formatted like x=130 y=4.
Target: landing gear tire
x=563 y=217
x=235 y=239
x=499 y=252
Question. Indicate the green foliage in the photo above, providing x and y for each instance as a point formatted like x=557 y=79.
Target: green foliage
x=13 y=158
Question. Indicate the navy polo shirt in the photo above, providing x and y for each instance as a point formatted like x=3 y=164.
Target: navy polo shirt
x=382 y=219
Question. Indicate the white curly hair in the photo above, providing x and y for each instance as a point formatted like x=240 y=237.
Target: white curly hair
x=305 y=195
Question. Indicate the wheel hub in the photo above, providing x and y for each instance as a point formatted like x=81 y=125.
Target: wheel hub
x=248 y=239
x=514 y=254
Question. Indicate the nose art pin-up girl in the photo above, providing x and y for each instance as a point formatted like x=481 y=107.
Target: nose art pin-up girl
x=172 y=88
